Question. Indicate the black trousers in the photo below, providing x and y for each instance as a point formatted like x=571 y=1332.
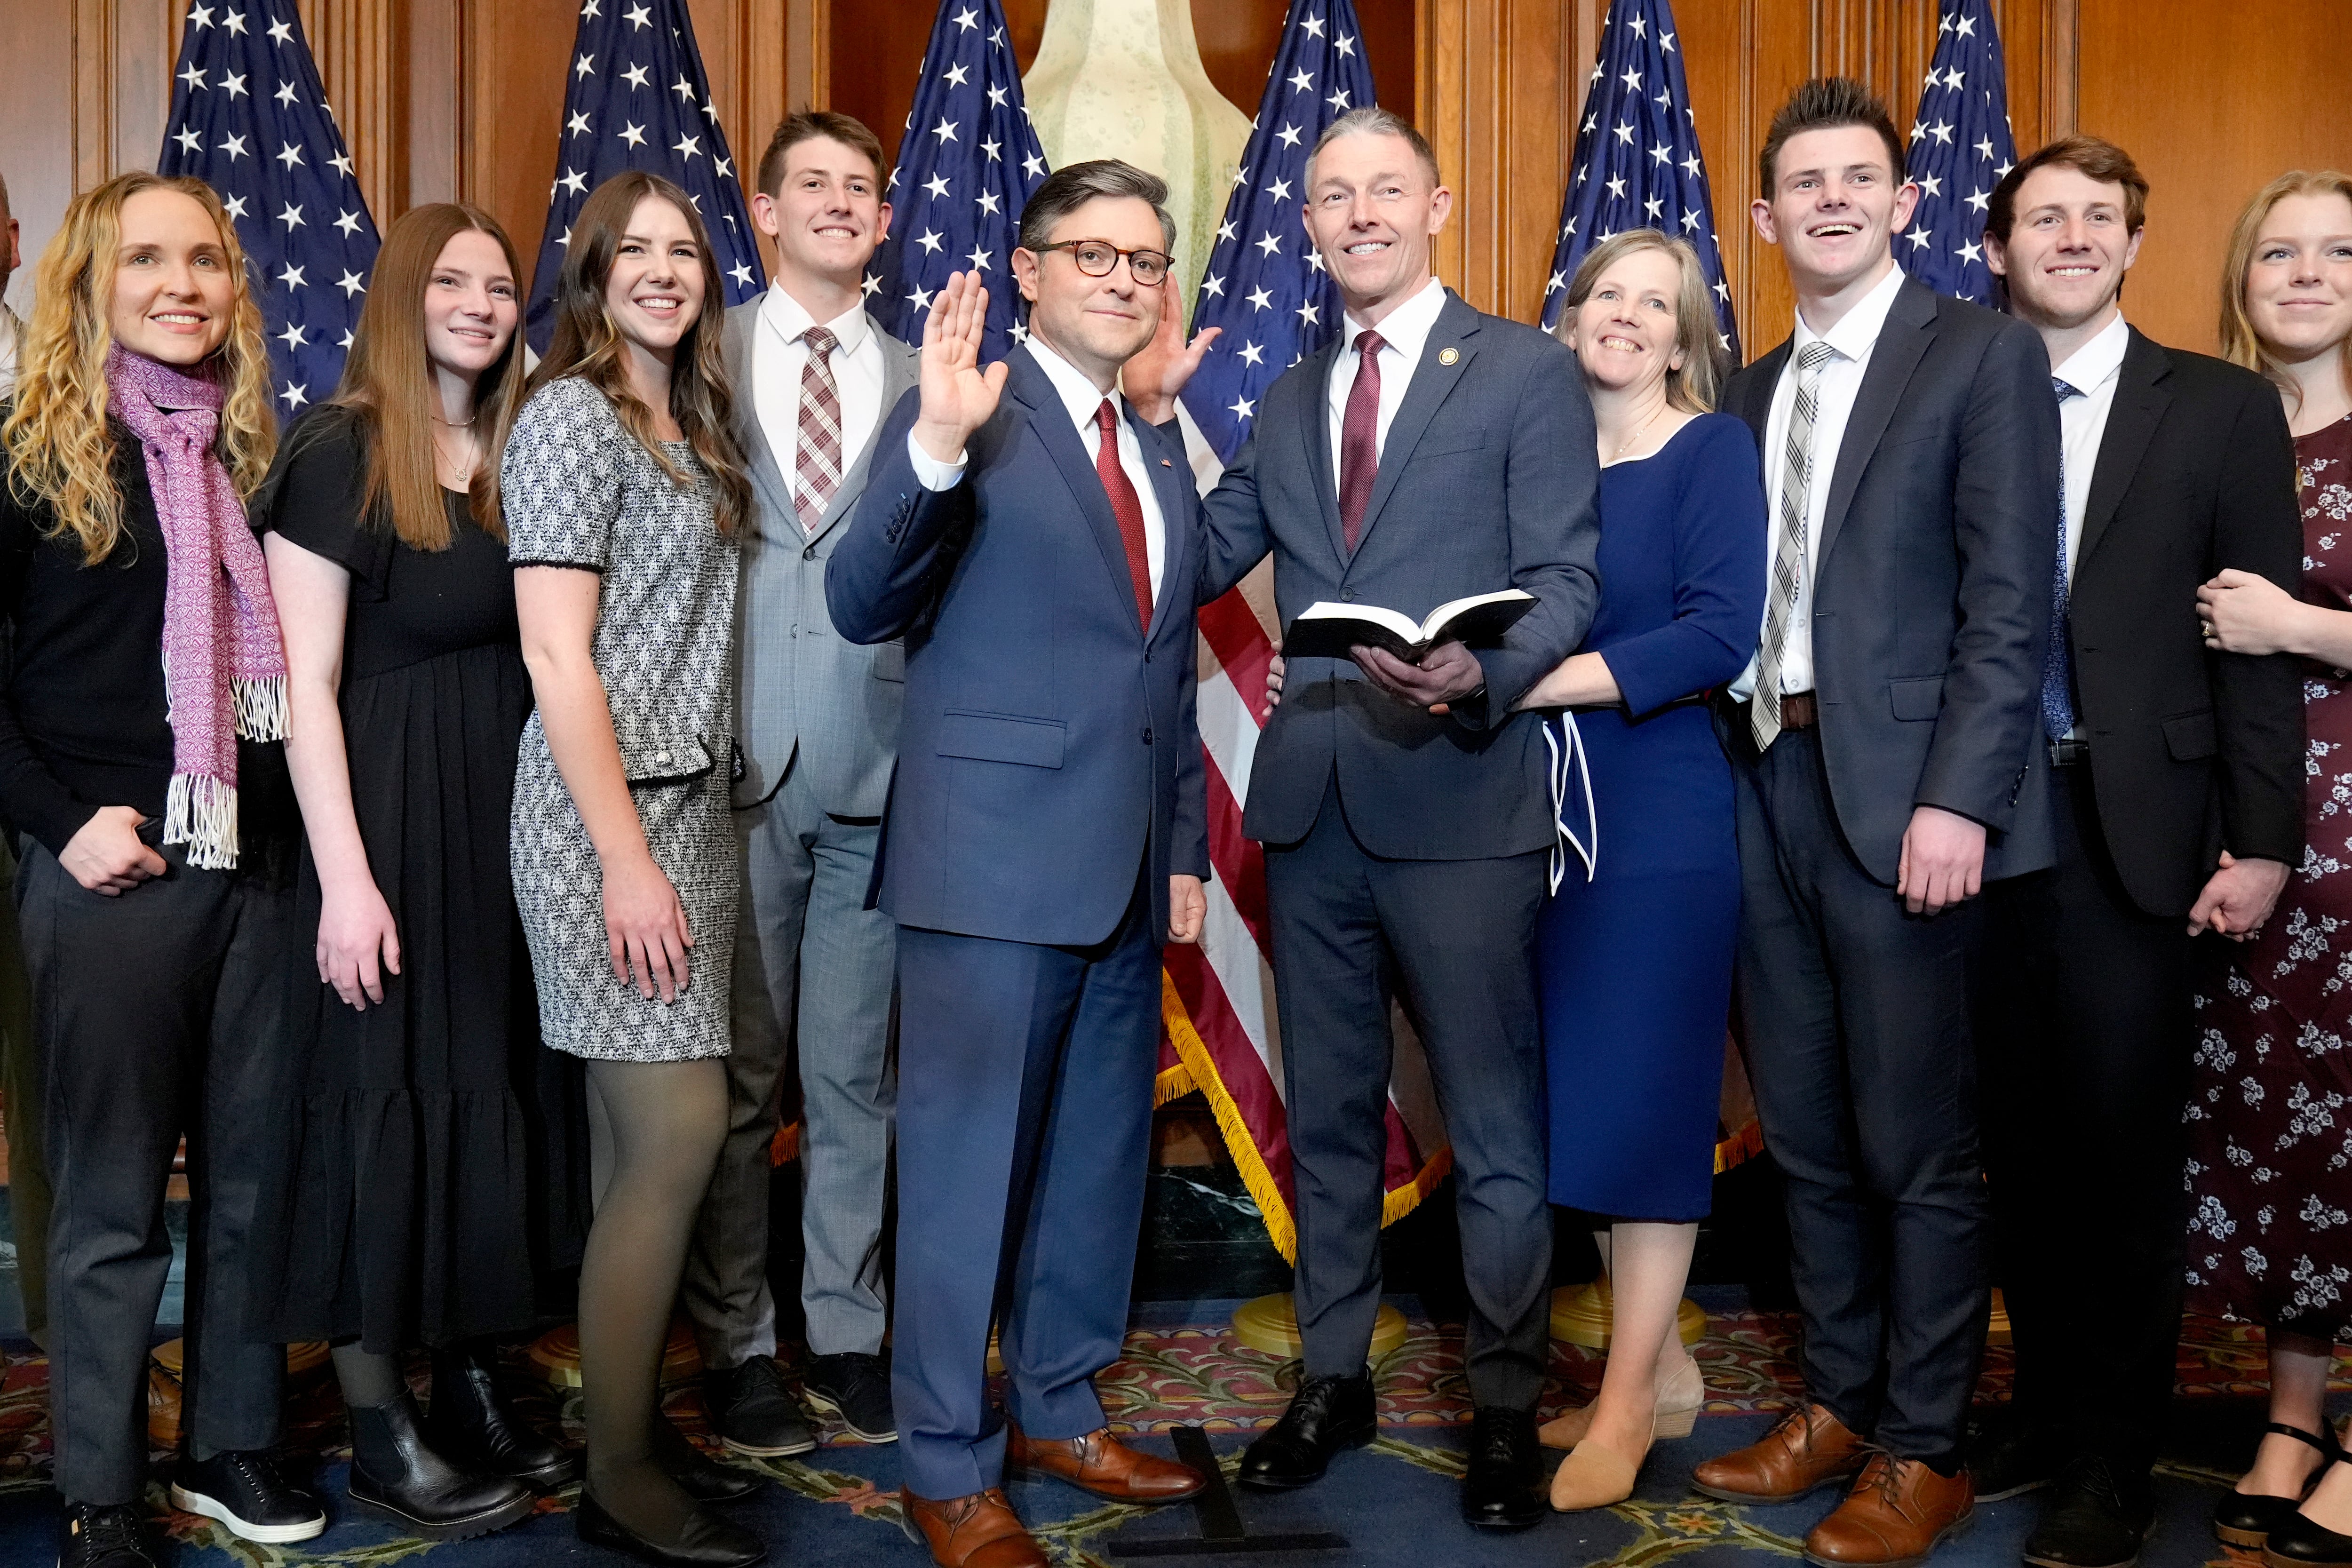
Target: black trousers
x=2085 y=1039
x=1859 y=1046
x=1459 y=936
x=159 y=1013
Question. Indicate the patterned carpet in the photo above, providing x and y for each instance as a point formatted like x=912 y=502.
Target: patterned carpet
x=1394 y=1502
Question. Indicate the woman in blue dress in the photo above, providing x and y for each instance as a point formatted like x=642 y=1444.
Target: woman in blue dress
x=1633 y=952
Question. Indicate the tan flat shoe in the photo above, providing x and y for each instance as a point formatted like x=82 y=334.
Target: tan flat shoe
x=1593 y=1476
x=1680 y=1397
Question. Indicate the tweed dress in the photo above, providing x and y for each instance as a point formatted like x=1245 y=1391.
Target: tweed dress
x=580 y=492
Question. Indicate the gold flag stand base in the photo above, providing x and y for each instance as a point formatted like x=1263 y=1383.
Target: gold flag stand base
x=555 y=1355
x=1270 y=1323
x=1997 y=1331
x=167 y=1366
x=1582 y=1315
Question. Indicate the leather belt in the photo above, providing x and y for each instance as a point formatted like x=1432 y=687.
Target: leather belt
x=1799 y=710
x=2069 y=752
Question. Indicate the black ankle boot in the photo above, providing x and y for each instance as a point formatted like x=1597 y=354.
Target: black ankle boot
x=473 y=1426
x=397 y=1476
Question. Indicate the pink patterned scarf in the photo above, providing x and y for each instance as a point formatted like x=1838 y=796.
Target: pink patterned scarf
x=223 y=666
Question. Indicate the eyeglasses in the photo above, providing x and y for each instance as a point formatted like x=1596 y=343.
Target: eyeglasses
x=1095 y=257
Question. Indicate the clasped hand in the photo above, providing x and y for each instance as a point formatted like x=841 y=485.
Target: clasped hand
x=1437 y=680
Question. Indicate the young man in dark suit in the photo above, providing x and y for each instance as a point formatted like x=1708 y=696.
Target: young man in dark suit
x=1428 y=452
x=2175 y=799
x=1879 y=744
x=1038 y=544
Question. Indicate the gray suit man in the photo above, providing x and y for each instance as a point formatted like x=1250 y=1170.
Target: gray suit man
x=818 y=718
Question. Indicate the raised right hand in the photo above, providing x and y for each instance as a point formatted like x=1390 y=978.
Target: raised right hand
x=108 y=856
x=355 y=927
x=644 y=928
x=958 y=396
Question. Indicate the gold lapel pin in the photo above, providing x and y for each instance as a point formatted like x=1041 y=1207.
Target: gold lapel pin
x=1448 y=355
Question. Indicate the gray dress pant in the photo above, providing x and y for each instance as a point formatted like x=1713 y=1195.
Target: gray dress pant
x=159 y=1013
x=814 y=973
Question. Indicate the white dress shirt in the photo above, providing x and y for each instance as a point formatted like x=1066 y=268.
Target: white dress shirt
x=11 y=334
x=1081 y=398
x=2093 y=371
x=1853 y=339
x=1403 y=332
x=778 y=357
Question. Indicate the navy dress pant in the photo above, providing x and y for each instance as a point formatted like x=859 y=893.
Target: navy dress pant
x=1024 y=1126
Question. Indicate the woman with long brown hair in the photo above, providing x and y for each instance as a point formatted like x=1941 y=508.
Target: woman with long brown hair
x=2268 y=1238
x=402 y=1203
x=624 y=491
x=139 y=751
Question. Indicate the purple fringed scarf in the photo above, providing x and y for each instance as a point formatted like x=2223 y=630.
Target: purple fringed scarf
x=223 y=666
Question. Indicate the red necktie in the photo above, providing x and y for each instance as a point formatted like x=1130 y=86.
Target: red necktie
x=1359 y=438
x=1124 y=506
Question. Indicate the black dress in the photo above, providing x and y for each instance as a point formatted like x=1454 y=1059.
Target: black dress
x=420 y=1188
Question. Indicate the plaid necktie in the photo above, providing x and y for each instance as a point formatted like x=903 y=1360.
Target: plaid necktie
x=2058 y=660
x=816 y=462
x=1789 y=550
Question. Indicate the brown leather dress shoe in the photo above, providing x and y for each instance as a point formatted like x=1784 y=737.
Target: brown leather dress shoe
x=976 y=1530
x=1810 y=1447
x=1101 y=1463
x=1897 y=1513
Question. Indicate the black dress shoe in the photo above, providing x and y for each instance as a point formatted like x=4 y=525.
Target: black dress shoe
x=2096 y=1517
x=2007 y=1454
x=1327 y=1415
x=399 y=1477
x=2297 y=1542
x=473 y=1426
x=855 y=1388
x=2246 y=1519
x=1498 y=1489
x=103 y=1535
x=243 y=1490
x=698 y=1475
x=706 y=1541
x=753 y=1411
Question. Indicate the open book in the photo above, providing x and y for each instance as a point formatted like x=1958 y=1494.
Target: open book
x=1327 y=630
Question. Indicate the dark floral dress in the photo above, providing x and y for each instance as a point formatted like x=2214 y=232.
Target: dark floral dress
x=2270 y=1112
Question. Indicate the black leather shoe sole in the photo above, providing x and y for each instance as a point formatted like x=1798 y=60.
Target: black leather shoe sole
x=2245 y=1519
x=1291 y=1480
x=511 y=1511
x=824 y=1404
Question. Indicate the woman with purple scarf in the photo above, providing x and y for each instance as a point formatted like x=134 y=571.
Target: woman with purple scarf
x=141 y=761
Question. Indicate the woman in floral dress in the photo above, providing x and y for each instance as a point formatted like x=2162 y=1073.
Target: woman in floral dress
x=2270 y=1114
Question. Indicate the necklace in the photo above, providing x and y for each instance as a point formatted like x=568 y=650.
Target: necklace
x=457 y=424
x=1637 y=435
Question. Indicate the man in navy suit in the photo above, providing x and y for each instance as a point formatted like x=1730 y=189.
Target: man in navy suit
x=1427 y=453
x=1036 y=544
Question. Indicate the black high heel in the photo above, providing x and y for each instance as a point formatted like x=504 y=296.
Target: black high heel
x=706 y=1541
x=2298 y=1542
x=2245 y=1519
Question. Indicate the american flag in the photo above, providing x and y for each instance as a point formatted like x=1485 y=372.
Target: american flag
x=1637 y=162
x=1266 y=286
x=249 y=119
x=1265 y=283
x=967 y=163
x=638 y=99
x=1960 y=147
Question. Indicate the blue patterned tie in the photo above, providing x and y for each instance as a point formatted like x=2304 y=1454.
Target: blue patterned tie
x=2058 y=662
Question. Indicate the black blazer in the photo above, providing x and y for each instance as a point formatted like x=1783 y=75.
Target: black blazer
x=2192 y=752
x=1931 y=597
x=1487 y=481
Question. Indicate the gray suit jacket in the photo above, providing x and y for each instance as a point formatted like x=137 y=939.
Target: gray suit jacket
x=800 y=687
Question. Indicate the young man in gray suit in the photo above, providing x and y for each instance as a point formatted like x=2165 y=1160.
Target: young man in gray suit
x=1879 y=743
x=819 y=719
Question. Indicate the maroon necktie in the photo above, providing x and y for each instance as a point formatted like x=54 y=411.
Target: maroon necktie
x=1359 y=438
x=1124 y=506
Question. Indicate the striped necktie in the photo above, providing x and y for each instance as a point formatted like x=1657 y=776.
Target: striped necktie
x=2058 y=660
x=1789 y=549
x=816 y=462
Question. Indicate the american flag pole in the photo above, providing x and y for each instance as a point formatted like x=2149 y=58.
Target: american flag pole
x=1637 y=162
x=250 y=119
x=639 y=98
x=1960 y=147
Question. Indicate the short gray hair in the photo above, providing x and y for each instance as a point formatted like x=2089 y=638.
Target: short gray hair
x=1373 y=120
x=1067 y=189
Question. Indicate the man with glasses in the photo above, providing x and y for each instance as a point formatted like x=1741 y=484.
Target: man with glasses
x=1036 y=543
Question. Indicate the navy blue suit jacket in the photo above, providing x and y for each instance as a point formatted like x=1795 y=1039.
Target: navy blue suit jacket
x=1487 y=480
x=1049 y=747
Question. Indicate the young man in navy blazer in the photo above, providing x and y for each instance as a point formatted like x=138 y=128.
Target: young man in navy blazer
x=1427 y=453
x=1038 y=544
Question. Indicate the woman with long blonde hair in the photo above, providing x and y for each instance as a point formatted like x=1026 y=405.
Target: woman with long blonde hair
x=404 y=1183
x=140 y=752
x=2268 y=1241
x=625 y=492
